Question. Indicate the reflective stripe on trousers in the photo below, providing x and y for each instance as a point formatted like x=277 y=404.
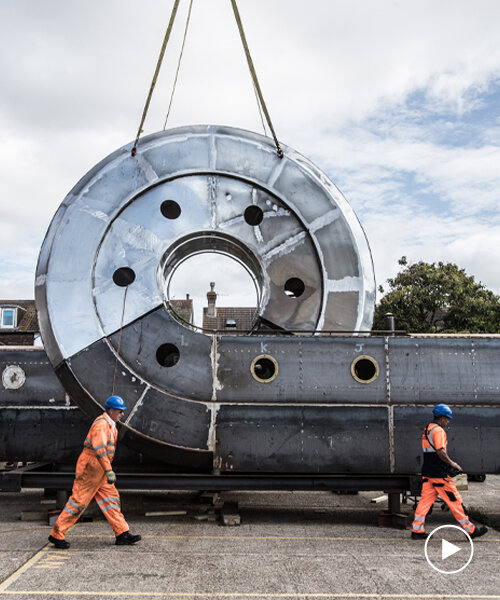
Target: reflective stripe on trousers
x=447 y=490
x=90 y=482
x=108 y=499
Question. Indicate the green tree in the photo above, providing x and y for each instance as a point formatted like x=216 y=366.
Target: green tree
x=432 y=298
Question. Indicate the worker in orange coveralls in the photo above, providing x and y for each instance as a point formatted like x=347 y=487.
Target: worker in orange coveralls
x=95 y=479
x=436 y=480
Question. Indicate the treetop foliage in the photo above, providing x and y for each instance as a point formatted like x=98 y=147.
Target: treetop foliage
x=438 y=298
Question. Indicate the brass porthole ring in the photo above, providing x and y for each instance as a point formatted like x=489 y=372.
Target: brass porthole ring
x=264 y=368
x=364 y=369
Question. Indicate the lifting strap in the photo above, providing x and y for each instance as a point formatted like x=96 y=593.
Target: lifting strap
x=156 y=73
x=254 y=77
x=178 y=64
x=258 y=92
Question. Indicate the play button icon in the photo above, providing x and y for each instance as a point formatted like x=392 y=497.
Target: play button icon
x=448 y=549
x=448 y=556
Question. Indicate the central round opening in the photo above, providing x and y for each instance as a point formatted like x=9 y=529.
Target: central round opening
x=212 y=281
x=213 y=291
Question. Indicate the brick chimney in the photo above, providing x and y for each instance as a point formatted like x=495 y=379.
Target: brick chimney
x=211 y=297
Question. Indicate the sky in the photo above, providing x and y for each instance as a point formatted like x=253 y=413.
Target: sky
x=396 y=101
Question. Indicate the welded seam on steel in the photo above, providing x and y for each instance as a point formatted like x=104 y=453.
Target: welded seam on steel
x=390 y=407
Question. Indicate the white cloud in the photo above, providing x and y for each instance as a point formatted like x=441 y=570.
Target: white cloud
x=375 y=93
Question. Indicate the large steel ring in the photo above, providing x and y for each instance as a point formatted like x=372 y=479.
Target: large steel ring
x=131 y=221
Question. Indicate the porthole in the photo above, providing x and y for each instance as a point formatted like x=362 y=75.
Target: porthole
x=123 y=276
x=253 y=215
x=167 y=355
x=264 y=368
x=294 y=287
x=170 y=209
x=13 y=377
x=364 y=369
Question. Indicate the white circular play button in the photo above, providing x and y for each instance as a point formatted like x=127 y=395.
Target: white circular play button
x=448 y=549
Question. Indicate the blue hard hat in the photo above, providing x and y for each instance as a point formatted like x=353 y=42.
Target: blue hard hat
x=442 y=410
x=115 y=402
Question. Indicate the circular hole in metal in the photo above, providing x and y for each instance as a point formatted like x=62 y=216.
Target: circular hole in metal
x=170 y=209
x=236 y=292
x=253 y=215
x=167 y=355
x=294 y=287
x=264 y=368
x=364 y=369
x=124 y=276
x=189 y=266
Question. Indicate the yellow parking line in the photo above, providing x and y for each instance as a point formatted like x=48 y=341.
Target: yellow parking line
x=246 y=538
x=5 y=584
x=48 y=559
x=430 y=596
x=49 y=564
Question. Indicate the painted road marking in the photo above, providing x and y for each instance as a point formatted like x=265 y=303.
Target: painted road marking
x=54 y=559
x=245 y=538
x=100 y=593
x=50 y=558
x=48 y=565
x=34 y=559
x=46 y=558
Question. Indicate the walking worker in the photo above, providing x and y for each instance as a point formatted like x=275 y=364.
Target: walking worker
x=96 y=479
x=436 y=479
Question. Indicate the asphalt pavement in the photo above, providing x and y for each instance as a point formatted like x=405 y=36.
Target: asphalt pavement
x=289 y=545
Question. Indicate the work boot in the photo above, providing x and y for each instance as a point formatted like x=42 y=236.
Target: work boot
x=418 y=536
x=61 y=544
x=479 y=531
x=126 y=539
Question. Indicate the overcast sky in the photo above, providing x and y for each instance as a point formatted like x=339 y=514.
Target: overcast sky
x=397 y=101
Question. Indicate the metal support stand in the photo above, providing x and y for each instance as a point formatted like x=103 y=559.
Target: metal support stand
x=394 y=502
x=393 y=516
x=226 y=512
x=230 y=515
x=61 y=499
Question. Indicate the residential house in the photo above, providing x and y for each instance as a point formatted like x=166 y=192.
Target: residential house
x=18 y=323
x=226 y=317
x=183 y=310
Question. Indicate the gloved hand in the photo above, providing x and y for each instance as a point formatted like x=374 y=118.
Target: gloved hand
x=111 y=476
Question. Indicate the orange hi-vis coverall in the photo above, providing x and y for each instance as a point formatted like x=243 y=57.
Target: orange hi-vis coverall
x=436 y=482
x=90 y=481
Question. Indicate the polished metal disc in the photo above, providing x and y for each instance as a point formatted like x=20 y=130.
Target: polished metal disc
x=129 y=223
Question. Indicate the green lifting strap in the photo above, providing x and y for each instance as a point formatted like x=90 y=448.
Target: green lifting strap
x=260 y=98
x=156 y=73
x=179 y=63
x=254 y=77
